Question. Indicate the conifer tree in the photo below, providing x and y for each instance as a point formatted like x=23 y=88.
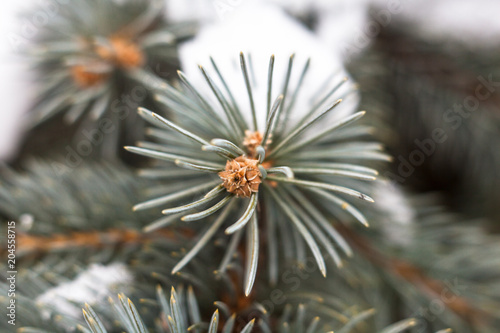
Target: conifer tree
x=262 y=195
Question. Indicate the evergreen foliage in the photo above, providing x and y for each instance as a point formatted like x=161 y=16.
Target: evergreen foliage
x=245 y=201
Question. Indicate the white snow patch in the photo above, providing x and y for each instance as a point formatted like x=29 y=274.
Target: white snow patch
x=91 y=286
x=397 y=215
x=260 y=30
x=468 y=21
x=16 y=82
x=344 y=28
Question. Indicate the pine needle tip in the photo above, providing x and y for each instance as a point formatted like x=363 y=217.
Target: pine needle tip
x=141 y=110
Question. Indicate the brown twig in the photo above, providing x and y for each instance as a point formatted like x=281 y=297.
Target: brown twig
x=35 y=244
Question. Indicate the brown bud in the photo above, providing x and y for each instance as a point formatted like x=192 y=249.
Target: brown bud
x=241 y=176
x=252 y=141
x=86 y=78
x=122 y=52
